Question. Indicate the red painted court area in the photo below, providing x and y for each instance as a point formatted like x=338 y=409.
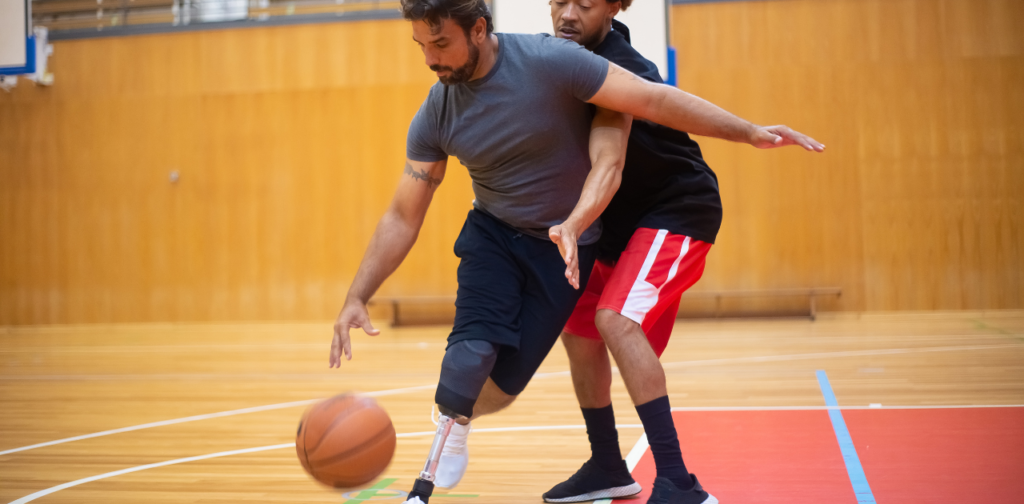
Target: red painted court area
x=909 y=455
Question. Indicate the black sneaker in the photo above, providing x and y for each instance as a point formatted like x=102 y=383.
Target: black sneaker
x=666 y=492
x=420 y=494
x=591 y=482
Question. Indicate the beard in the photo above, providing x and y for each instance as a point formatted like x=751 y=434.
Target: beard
x=464 y=72
x=589 y=41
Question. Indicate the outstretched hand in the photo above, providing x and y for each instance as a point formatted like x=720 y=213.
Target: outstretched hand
x=770 y=137
x=353 y=315
x=565 y=237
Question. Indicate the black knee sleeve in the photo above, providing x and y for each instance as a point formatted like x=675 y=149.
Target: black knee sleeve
x=464 y=370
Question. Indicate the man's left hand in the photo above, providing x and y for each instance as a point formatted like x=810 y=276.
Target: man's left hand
x=770 y=137
x=564 y=235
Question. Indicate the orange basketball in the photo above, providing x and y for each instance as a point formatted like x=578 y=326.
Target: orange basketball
x=345 y=441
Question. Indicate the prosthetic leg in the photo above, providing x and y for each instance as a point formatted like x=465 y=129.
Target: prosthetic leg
x=464 y=370
x=424 y=485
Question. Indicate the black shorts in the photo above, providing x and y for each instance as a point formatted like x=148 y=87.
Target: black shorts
x=513 y=293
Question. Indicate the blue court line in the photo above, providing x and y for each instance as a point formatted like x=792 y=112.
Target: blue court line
x=858 y=479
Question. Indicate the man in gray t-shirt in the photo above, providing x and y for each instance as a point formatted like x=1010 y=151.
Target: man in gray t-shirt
x=525 y=141
x=514 y=110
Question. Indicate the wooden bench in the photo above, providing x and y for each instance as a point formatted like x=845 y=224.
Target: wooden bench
x=396 y=302
x=812 y=295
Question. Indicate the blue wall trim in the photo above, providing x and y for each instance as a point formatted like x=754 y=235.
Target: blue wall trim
x=673 y=72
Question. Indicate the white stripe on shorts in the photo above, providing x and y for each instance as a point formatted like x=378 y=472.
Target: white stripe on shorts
x=643 y=296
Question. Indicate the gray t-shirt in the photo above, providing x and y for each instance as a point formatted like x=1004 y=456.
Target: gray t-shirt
x=523 y=130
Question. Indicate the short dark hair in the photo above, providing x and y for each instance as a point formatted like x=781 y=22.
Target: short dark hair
x=462 y=12
x=625 y=3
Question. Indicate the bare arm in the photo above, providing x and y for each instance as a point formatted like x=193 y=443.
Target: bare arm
x=391 y=242
x=677 y=109
x=609 y=134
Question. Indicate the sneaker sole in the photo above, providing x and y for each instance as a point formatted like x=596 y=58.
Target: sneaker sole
x=622 y=491
x=710 y=500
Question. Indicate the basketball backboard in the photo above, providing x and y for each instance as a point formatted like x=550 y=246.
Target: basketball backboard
x=16 y=46
x=647 y=20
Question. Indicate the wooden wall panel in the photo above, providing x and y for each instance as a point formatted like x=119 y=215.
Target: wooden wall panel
x=289 y=142
x=917 y=203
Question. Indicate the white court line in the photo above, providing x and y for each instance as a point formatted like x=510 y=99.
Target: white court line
x=523 y=429
x=54 y=489
x=207 y=416
x=206 y=377
x=63 y=486
x=667 y=365
x=825 y=408
x=218 y=346
x=632 y=459
x=550 y=427
x=736 y=360
x=638 y=451
x=848 y=353
x=792 y=357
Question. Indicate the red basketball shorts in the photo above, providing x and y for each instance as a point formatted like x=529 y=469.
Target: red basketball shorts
x=644 y=285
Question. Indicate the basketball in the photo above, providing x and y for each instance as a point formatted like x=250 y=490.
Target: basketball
x=345 y=441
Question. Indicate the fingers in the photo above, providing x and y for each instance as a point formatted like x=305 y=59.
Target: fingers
x=569 y=245
x=764 y=138
x=573 y=273
x=342 y=343
x=785 y=136
x=809 y=144
x=352 y=316
x=559 y=238
x=572 y=270
x=337 y=347
x=797 y=138
x=565 y=238
x=782 y=136
x=367 y=327
x=574 y=267
x=346 y=346
x=555 y=234
x=814 y=145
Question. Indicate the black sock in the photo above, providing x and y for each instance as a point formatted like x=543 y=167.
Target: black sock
x=661 y=434
x=604 y=439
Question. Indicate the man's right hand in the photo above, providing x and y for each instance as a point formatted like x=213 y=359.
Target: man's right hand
x=353 y=315
x=391 y=242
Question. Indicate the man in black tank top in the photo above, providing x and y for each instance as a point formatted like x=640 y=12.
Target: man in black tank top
x=657 y=231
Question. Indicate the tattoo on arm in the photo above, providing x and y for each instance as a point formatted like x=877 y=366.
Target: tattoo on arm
x=422 y=175
x=617 y=70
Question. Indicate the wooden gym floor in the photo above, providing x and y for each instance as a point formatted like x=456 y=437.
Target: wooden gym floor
x=145 y=405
